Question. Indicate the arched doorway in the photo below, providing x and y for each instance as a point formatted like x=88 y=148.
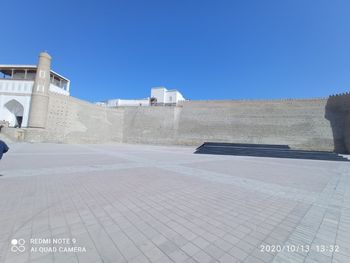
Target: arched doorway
x=16 y=109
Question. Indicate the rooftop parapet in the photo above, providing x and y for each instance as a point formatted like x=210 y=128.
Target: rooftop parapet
x=339 y=102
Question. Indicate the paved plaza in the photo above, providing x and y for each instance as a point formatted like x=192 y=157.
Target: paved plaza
x=138 y=203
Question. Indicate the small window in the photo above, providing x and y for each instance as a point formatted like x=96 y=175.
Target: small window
x=42 y=74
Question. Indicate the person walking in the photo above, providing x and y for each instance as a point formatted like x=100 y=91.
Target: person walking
x=3 y=148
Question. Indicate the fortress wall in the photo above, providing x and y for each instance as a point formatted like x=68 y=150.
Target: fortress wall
x=318 y=124
x=298 y=123
x=90 y=123
x=57 y=117
x=154 y=125
x=72 y=120
x=338 y=113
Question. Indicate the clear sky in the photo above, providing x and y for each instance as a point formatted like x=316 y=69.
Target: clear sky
x=207 y=49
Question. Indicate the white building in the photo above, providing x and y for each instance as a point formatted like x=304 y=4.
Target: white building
x=16 y=85
x=119 y=102
x=159 y=96
x=166 y=97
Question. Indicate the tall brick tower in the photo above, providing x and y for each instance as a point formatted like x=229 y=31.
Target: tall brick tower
x=40 y=94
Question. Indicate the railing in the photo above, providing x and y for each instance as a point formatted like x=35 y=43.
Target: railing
x=16 y=86
x=25 y=87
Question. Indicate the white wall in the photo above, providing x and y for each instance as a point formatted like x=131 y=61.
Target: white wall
x=19 y=90
x=142 y=102
x=173 y=96
x=6 y=115
x=166 y=96
x=159 y=94
x=123 y=103
x=16 y=86
x=56 y=89
x=170 y=97
x=162 y=95
x=179 y=97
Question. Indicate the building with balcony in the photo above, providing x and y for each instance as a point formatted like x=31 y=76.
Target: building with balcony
x=17 y=85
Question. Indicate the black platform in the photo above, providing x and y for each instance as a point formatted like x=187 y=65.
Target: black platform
x=265 y=150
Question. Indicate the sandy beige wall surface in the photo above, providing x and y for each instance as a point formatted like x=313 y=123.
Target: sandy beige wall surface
x=299 y=123
x=71 y=120
x=318 y=124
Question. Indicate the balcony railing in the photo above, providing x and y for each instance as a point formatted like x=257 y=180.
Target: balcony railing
x=16 y=86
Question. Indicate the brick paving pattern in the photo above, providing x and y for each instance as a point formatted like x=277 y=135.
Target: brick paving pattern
x=137 y=203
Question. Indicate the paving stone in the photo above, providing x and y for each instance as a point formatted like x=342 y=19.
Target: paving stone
x=164 y=259
x=139 y=259
x=137 y=203
x=178 y=256
x=224 y=245
x=203 y=257
x=252 y=259
x=168 y=247
x=190 y=249
x=238 y=253
x=231 y=238
x=154 y=254
x=200 y=242
x=214 y=251
x=227 y=258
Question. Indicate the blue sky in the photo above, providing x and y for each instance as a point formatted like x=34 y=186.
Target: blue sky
x=206 y=49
